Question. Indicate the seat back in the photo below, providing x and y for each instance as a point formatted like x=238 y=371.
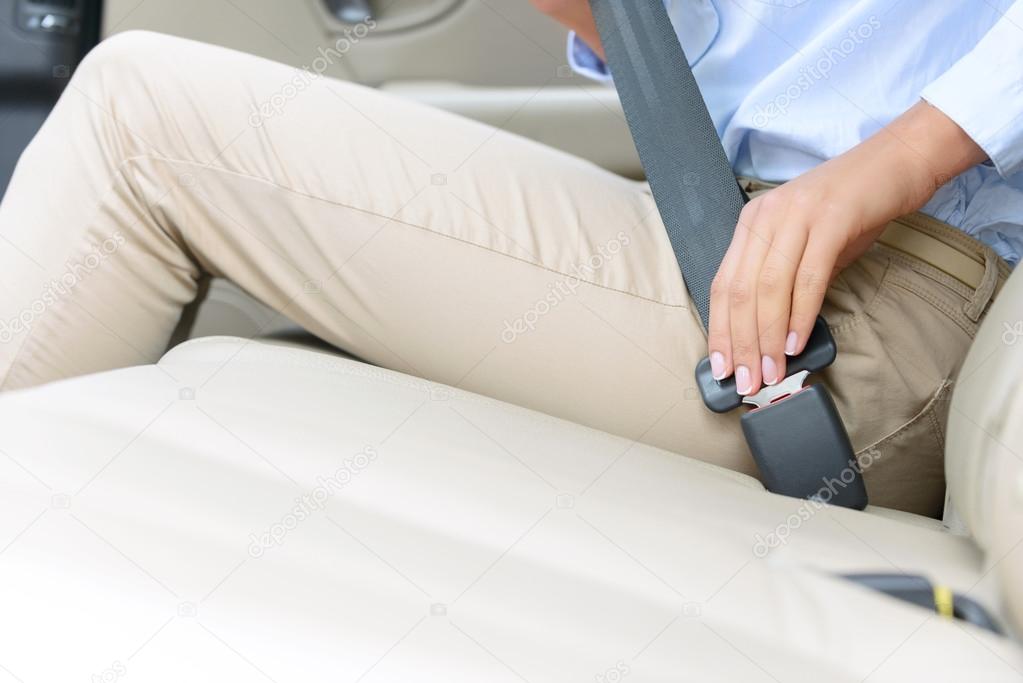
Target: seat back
x=984 y=450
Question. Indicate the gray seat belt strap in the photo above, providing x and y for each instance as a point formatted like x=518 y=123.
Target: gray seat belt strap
x=794 y=432
x=688 y=171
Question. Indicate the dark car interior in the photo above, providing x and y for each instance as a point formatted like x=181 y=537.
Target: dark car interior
x=41 y=42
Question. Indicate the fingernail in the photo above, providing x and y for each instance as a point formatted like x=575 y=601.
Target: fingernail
x=791 y=343
x=743 y=383
x=717 y=365
x=770 y=371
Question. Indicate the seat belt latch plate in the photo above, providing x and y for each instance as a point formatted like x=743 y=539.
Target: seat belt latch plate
x=721 y=396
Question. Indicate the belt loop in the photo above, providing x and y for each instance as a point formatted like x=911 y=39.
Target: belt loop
x=982 y=296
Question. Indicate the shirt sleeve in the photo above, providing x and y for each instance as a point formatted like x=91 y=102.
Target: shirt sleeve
x=585 y=61
x=983 y=92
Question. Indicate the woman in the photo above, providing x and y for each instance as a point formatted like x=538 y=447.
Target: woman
x=437 y=246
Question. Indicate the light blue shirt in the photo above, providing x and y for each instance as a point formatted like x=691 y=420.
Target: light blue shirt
x=791 y=83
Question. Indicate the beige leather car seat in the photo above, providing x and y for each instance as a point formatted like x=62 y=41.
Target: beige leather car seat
x=984 y=451
x=246 y=510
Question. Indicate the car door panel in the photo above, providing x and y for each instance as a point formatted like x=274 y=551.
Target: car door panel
x=499 y=61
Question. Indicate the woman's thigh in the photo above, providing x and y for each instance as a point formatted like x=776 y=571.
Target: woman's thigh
x=412 y=238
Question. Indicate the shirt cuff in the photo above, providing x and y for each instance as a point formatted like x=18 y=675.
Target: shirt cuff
x=585 y=61
x=983 y=92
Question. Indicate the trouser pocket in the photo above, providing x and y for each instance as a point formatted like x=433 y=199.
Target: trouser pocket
x=906 y=469
x=902 y=337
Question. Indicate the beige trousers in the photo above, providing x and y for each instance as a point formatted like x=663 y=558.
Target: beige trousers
x=421 y=242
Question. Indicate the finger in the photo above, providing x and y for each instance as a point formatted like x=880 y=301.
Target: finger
x=719 y=342
x=743 y=298
x=811 y=284
x=774 y=297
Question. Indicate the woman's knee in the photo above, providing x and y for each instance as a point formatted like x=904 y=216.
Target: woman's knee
x=126 y=56
x=132 y=82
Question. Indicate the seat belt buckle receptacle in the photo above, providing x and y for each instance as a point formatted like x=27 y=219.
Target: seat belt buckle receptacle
x=794 y=432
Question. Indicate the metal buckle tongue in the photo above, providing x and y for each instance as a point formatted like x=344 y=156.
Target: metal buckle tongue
x=777 y=392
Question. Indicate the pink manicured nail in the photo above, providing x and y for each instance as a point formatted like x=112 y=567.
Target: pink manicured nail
x=770 y=371
x=717 y=365
x=743 y=383
x=791 y=343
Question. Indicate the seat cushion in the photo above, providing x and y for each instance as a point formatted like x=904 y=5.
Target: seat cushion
x=984 y=453
x=244 y=511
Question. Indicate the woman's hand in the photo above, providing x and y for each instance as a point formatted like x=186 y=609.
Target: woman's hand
x=576 y=15
x=791 y=241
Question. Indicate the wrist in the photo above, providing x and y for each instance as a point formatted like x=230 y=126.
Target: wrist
x=575 y=15
x=925 y=149
x=588 y=34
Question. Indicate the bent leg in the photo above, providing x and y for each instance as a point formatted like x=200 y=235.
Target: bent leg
x=412 y=238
